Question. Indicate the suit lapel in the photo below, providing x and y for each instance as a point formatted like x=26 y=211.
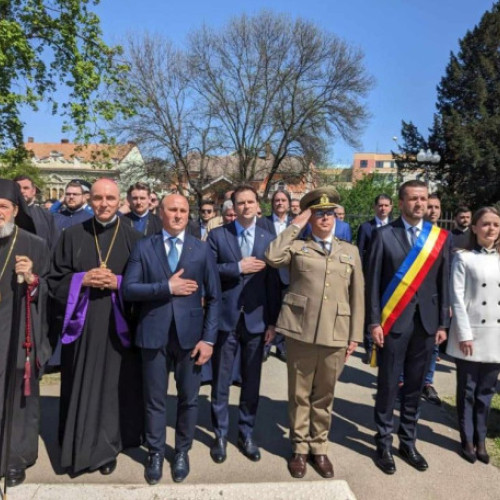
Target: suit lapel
x=232 y=240
x=259 y=244
x=159 y=248
x=187 y=249
x=398 y=229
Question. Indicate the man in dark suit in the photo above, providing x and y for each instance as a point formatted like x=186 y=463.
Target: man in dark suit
x=407 y=345
x=383 y=209
x=168 y=275
x=279 y=220
x=44 y=221
x=460 y=234
x=140 y=217
x=250 y=307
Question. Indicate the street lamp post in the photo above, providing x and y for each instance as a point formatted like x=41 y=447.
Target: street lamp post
x=427 y=158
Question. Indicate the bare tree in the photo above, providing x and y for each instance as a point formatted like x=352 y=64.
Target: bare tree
x=270 y=83
x=166 y=123
x=267 y=92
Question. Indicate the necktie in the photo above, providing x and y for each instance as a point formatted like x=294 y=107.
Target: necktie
x=173 y=254
x=246 y=249
x=326 y=246
x=413 y=235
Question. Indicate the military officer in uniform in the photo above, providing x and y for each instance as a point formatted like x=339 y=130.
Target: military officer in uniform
x=322 y=319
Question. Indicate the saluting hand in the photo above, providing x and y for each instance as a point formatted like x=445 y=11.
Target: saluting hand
x=181 y=286
x=251 y=265
x=203 y=351
x=302 y=219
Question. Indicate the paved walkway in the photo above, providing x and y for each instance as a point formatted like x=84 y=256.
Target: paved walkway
x=351 y=450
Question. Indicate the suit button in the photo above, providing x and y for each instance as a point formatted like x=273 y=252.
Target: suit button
x=484 y=284
x=327 y=284
x=325 y=298
x=328 y=272
x=483 y=321
x=484 y=303
x=329 y=259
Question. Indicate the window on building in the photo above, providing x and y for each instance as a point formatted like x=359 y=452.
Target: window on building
x=379 y=164
x=393 y=164
x=363 y=163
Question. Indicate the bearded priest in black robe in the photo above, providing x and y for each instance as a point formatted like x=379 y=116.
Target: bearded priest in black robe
x=23 y=256
x=101 y=410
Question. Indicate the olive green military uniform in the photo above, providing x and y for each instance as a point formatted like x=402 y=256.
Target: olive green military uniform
x=321 y=313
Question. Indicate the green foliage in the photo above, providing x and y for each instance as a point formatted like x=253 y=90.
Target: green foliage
x=12 y=165
x=358 y=201
x=51 y=49
x=466 y=129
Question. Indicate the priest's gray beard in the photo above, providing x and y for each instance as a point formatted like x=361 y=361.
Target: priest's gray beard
x=7 y=229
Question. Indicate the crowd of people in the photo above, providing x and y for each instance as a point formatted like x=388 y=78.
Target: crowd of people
x=118 y=295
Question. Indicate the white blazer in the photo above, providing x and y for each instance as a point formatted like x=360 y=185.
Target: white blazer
x=475 y=302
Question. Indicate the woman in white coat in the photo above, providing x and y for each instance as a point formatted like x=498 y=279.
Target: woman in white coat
x=474 y=337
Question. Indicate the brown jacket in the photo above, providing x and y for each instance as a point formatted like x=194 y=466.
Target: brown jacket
x=324 y=303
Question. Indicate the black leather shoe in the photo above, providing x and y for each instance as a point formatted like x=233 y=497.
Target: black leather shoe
x=249 y=448
x=108 y=468
x=180 y=467
x=154 y=467
x=218 y=450
x=413 y=457
x=281 y=355
x=385 y=461
x=430 y=394
x=15 y=477
x=469 y=453
x=482 y=454
x=265 y=356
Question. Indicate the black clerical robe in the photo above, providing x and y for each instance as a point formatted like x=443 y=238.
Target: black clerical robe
x=151 y=226
x=101 y=409
x=45 y=225
x=26 y=415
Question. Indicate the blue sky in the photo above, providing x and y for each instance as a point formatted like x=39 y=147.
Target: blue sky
x=407 y=44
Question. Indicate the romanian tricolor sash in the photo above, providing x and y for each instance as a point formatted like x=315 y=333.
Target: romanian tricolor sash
x=411 y=273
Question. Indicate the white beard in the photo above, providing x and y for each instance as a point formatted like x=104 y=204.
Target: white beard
x=7 y=229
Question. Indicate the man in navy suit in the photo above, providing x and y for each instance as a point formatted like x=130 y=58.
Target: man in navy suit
x=250 y=307
x=422 y=323
x=168 y=275
x=383 y=209
x=279 y=220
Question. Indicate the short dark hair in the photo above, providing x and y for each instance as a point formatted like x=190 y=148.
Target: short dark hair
x=462 y=209
x=207 y=202
x=240 y=189
x=382 y=196
x=139 y=186
x=434 y=196
x=75 y=185
x=414 y=183
x=284 y=191
x=22 y=177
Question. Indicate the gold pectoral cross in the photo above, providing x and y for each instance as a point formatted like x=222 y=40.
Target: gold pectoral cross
x=103 y=265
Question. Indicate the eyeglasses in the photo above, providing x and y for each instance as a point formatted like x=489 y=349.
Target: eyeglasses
x=206 y=211
x=322 y=213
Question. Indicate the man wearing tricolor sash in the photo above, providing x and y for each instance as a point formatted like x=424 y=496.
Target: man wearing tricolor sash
x=408 y=311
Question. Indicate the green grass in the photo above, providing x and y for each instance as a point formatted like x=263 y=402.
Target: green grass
x=493 y=436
